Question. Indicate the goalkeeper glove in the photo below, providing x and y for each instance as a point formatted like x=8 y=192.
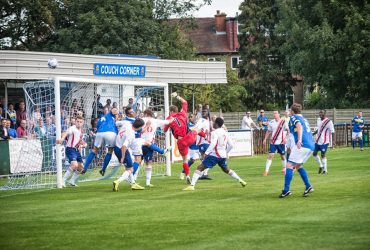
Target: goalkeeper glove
x=174 y=94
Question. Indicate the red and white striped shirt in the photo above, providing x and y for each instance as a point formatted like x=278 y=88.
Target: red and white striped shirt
x=324 y=130
x=74 y=137
x=279 y=131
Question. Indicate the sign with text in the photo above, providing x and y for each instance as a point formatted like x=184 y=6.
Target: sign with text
x=119 y=70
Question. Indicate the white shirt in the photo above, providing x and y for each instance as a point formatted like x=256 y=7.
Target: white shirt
x=74 y=136
x=220 y=144
x=279 y=131
x=126 y=135
x=148 y=133
x=324 y=130
x=247 y=122
x=203 y=125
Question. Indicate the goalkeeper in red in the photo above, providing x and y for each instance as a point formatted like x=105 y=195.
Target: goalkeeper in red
x=181 y=132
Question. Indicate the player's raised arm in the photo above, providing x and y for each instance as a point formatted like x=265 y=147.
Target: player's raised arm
x=184 y=103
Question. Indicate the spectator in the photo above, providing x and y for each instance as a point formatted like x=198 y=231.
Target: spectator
x=130 y=102
x=263 y=120
x=21 y=113
x=108 y=104
x=11 y=115
x=73 y=121
x=36 y=115
x=286 y=117
x=4 y=133
x=16 y=107
x=247 y=122
x=49 y=112
x=98 y=108
x=138 y=110
x=74 y=108
x=12 y=131
x=115 y=105
x=198 y=112
x=21 y=130
x=2 y=106
x=40 y=129
x=66 y=123
x=50 y=127
x=1 y=113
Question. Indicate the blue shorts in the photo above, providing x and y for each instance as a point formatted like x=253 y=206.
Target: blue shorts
x=73 y=154
x=280 y=148
x=210 y=161
x=203 y=148
x=147 y=153
x=322 y=148
x=128 y=161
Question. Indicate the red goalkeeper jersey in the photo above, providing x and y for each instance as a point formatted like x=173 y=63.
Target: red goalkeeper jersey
x=179 y=124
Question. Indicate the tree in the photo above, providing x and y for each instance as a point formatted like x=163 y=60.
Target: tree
x=267 y=78
x=328 y=42
x=26 y=24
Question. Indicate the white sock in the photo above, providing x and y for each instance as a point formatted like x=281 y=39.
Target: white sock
x=75 y=177
x=268 y=165
x=195 y=178
x=317 y=158
x=283 y=163
x=67 y=174
x=205 y=171
x=124 y=176
x=234 y=175
x=131 y=179
x=148 y=172
x=325 y=164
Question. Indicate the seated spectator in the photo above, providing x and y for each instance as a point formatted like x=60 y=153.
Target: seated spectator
x=21 y=113
x=12 y=131
x=247 y=122
x=22 y=129
x=4 y=134
x=40 y=129
x=36 y=115
x=262 y=120
x=11 y=115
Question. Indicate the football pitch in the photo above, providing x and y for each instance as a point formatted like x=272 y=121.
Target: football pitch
x=219 y=214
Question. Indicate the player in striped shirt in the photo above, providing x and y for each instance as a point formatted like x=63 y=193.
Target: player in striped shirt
x=216 y=154
x=278 y=129
x=325 y=131
x=74 y=135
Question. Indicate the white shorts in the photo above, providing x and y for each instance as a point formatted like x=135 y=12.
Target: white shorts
x=105 y=139
x=290 y=142
x=299 y=156
x=136 y=147
x=356 y=135
x=194 y=154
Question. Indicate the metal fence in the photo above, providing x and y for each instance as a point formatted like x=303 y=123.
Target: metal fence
x=343 y=138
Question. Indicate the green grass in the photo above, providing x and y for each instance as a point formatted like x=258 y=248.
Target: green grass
x=219 y=214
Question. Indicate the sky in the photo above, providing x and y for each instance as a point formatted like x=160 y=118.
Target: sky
x=230 y=7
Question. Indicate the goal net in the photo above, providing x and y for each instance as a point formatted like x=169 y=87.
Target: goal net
x=33 y=159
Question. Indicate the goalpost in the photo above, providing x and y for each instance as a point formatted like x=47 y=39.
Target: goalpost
x=39 y=162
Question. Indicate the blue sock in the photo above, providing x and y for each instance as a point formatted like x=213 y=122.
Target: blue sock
x=135 y=165
x=353 y=143
x=107 y=158
x=304 y=177
x=288 y=179
x=361 y=143
x=190 y=162
x=287 y=157
x=89 y=159
x=156 y=148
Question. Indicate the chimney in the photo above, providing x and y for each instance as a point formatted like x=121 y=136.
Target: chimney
x=220 y=23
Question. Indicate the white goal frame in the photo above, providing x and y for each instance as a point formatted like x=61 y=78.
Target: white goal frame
x=58 y=126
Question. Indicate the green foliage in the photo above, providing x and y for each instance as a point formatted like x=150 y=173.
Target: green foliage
x=335 y=216
x=328 y=42
x=267 y=78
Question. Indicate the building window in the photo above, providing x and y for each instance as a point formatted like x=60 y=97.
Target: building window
x=214 y=59
x=239 y=28
x=235 y=61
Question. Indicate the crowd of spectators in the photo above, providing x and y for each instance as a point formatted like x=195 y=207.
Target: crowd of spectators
x=262 y=121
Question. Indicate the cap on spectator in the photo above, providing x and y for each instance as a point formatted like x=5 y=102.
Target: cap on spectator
x=262 y=111
x=248 y=112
